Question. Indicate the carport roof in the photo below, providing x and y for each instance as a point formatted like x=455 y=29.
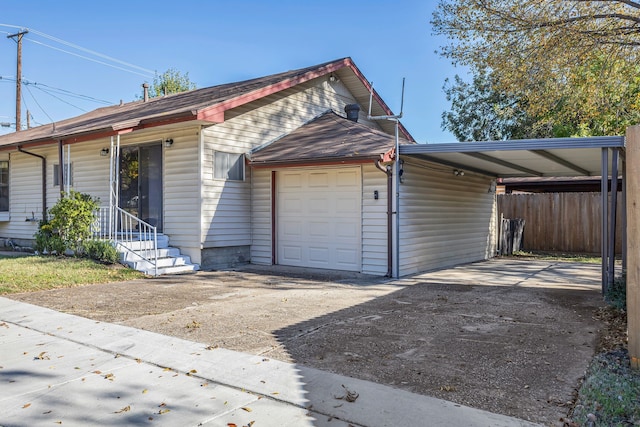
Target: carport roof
x=521 y=158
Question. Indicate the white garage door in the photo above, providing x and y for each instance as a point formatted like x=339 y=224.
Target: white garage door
x=318 y=218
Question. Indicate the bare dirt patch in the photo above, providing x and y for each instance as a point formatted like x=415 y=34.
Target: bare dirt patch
x=511 y=337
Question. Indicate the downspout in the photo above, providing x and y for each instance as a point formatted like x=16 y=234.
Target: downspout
x=387 y=171
x=44 y=180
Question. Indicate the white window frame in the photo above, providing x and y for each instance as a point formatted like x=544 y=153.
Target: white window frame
x=225 y=163
x=5 y=184
x=68 y=177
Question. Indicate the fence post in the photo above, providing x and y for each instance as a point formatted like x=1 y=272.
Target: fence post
x=633 y=242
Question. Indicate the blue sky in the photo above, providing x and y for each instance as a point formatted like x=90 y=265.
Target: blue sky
x=216 y=42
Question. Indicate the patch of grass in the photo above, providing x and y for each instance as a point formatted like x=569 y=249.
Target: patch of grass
x=36 y=273
x=610 y=394
x=559 y=256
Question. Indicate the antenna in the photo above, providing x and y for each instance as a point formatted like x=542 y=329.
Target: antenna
x=387 y=117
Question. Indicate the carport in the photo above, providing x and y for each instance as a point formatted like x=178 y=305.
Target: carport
x=594 y=156
x=558 y=157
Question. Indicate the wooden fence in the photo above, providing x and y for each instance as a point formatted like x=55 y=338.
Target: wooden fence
x=565 y=222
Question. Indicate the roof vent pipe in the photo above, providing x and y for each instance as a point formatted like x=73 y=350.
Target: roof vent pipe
x=145 y=89
x=352 y=111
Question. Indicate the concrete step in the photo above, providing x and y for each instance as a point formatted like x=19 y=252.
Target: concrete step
x=162 y=253
x=163 y=242
x=179 y=269
x=174 y=261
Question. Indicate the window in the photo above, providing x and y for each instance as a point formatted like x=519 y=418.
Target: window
x=4 y=186
x=67 y=179
x=228 y=166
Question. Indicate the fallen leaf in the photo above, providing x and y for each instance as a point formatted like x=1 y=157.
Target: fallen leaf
x=42 y=356
x=26 y=405
x=232 y=425
x=193 y=325
x=97 y=372
x=125 y=409
x=246 y=409
x=162 y=405
x=109 y=377
x=145 y=391
x=163 y=411
x=4 y=324
x=204 y=384
x=138 y=361
x=211 y=347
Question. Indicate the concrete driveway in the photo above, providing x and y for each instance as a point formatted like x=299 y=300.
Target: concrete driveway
x=507 y=336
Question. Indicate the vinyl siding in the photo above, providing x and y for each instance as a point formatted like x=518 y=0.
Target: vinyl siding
x=180 y=180
x=227 y=207
x=444 y=219
x=261 y=216
x=374 y=221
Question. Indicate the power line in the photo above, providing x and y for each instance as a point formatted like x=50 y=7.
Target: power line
x=59 y=90
x=92 y=52
x=90 y=59
x=38 y=104
x=125 y=66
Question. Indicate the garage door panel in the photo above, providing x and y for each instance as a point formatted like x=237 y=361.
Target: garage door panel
x=319 y=254
x=319 y=179
x=292 y=254
x=319 y=220
x=291 y=180
x=348 y=179
x=319 y=205
x=346 y=230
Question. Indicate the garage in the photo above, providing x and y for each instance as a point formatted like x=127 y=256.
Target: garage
x=318 y=215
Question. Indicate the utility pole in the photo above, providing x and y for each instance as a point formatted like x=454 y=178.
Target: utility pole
x=18 y=77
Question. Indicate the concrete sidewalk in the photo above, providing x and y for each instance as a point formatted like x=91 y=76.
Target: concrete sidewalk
x=59 y=369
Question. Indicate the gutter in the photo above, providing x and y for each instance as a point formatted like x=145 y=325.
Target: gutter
x=387 y=171
x=44 y=180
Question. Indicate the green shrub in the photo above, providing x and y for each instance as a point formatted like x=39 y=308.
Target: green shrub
x=69 y=225
x=72 y=216
x=100 y=250
x=48 y=241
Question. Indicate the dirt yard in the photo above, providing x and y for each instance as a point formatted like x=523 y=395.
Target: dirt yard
x=508 y=336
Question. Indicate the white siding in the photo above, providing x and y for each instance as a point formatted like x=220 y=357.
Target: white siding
x=261 y=249
x=25 y=196
x=444 y=219
x=374 y=221
x=181 y=183
x=91 y=175
x=226 y=209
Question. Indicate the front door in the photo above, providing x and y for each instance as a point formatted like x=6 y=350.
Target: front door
x=141 y=182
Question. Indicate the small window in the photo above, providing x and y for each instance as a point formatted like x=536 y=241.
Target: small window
x=228 y=166
x=68 y=176
x=4 y=186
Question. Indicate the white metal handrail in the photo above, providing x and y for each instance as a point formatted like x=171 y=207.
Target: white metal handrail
x=128 y=233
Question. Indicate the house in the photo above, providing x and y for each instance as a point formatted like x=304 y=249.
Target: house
x=285 y=169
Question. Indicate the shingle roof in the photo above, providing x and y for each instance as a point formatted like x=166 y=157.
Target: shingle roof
x=328 y=138
x=206 y=105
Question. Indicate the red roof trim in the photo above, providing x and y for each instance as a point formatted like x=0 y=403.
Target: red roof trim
x=325 y=162
x=270 y=90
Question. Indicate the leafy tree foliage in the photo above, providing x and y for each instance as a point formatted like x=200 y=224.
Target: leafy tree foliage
x=572 y=58
x=481 y=113
x=171 y=81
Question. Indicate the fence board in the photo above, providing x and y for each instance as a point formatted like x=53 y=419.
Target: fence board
x=565 y=222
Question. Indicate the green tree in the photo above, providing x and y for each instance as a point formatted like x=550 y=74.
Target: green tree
x=553 y=53
x=479 y=112
x=171 y=81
